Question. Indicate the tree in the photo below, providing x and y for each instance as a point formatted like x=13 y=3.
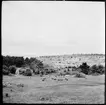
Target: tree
x=27 y=61
x=19 y=61
x=84 y=68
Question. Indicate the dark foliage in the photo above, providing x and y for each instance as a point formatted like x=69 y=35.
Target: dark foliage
x=28 y=72
x=12 y=69
x=99 y=69
x=12 y=60
x=27 y=61
x=5 y=67
x=21 y=62
x=5 y=72
x=84 y=68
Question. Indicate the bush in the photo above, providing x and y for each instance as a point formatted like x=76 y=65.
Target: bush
x=80 y=75
x=93 y=69
x=5 y=67
x=69 y=66
x=12 y=69
x=67 y=71
x=10 y=74
x=5 y=72
x=28 y=72
x=47 y=69
x=22 y=71
x=84 y=68
x=74 y=68
x=36 y=66
x=101 y=69
x=97 y=69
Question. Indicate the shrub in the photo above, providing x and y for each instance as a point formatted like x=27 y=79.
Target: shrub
x=48 y=71
x=80 y=75
x=5 y=67
x=67 y=71
x=12 y=69
x=48 y=68
x=22 y=71
x=74 y=68
x=97 y=69
x=36 y=66
x=28 y=72
x=93 y=69
x=101 y=69
x=84 y=68
x=5 y=72
x=69 y=66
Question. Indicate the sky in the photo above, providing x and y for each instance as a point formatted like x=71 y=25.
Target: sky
x=38 y=28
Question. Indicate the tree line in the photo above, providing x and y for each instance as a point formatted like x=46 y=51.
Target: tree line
x=19 y=61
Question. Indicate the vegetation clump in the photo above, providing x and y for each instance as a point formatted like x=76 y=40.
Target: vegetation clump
x=28 y=72
x=84 y=68
x=94 y=69
x=5 y=70
x=97 y=69
x=80 y=75
x=12 y=69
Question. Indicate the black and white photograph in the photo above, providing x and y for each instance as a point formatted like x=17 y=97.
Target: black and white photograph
x=53 y=52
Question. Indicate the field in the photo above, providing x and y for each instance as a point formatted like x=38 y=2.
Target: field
x=23 y=89
x=56 y=89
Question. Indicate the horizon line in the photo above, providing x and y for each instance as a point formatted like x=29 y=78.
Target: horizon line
x=53 y=55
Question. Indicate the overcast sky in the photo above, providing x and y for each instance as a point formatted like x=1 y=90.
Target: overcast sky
x=33 y=28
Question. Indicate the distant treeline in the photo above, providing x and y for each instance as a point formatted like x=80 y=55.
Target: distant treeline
x=11 y=63
x=18 y=61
